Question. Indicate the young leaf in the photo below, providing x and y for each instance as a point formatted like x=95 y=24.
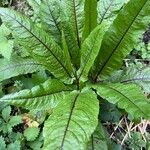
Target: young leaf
x=72 y=13
x=89 y=51
x=126 y=96
x=16 y=145
x=66 y=53
x=31 y=133
x=77 y=115
x=17 y=66
x=38 y=43
x=122 y=36
x=90 y=13
x=6 y=47
x=75 y=15
x=6 y=113
x=2 y=143
x=15 y=120
x=46 y=95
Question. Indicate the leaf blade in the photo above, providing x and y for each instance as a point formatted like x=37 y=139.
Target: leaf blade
x=121 y=37
x=38 y=43
x=126 y=96
x=17 y=66
x=89 y=51
x=43 y=96
x=90 y=13
x=72 y=129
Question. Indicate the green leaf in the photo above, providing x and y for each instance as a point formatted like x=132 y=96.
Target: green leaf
x=35 y=4
x=72 y=14
x=77 y=115
x=16 y=145
x=108 y=9
x=126 y=96
x=50 y=16
x=6 y=47
x=133 y=74
x=17 y=66
x=90 y=13
x=15 y=120
x=6 y=113
x=46 y=95
x=89 y=51
x=66 y=53
x=38 y=43
x=2 y=143
x=31 y=133
x=99 y=139
x=121 y=37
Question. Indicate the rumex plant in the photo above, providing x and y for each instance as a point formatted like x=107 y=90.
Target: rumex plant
x=81 y=46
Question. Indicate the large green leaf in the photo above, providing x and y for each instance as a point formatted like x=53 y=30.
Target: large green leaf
x=17 y=66
x=133 y=74
x=89 y=51
x=50 y=16
x=90 y=13
x=108 y=9
x=72 y=14
x=126 y=96
x=72 y=122
x=66 y=53
x=43 y=96
x=38 y=43
x=122 y=36
x=75 y=13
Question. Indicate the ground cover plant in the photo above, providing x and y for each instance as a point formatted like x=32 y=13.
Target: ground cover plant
x=78 y=48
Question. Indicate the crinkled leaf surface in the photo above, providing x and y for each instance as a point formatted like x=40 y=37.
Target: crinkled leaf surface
x=108 y=9
x=72 y=122
x=122 y=36
x=46 y=95
x=133 y=74
x=72 y=17
x=89 y=51
x=17 y=66
x=90 y=15
x=126 y=96
x=50 y=16
x=39 y=44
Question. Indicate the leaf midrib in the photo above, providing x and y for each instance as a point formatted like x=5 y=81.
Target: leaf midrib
x=114 y=50
x=69 y=119
x=127 y=98
x=88 y=58
x=54 y=19
x=41 y=43
x=30 y=98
